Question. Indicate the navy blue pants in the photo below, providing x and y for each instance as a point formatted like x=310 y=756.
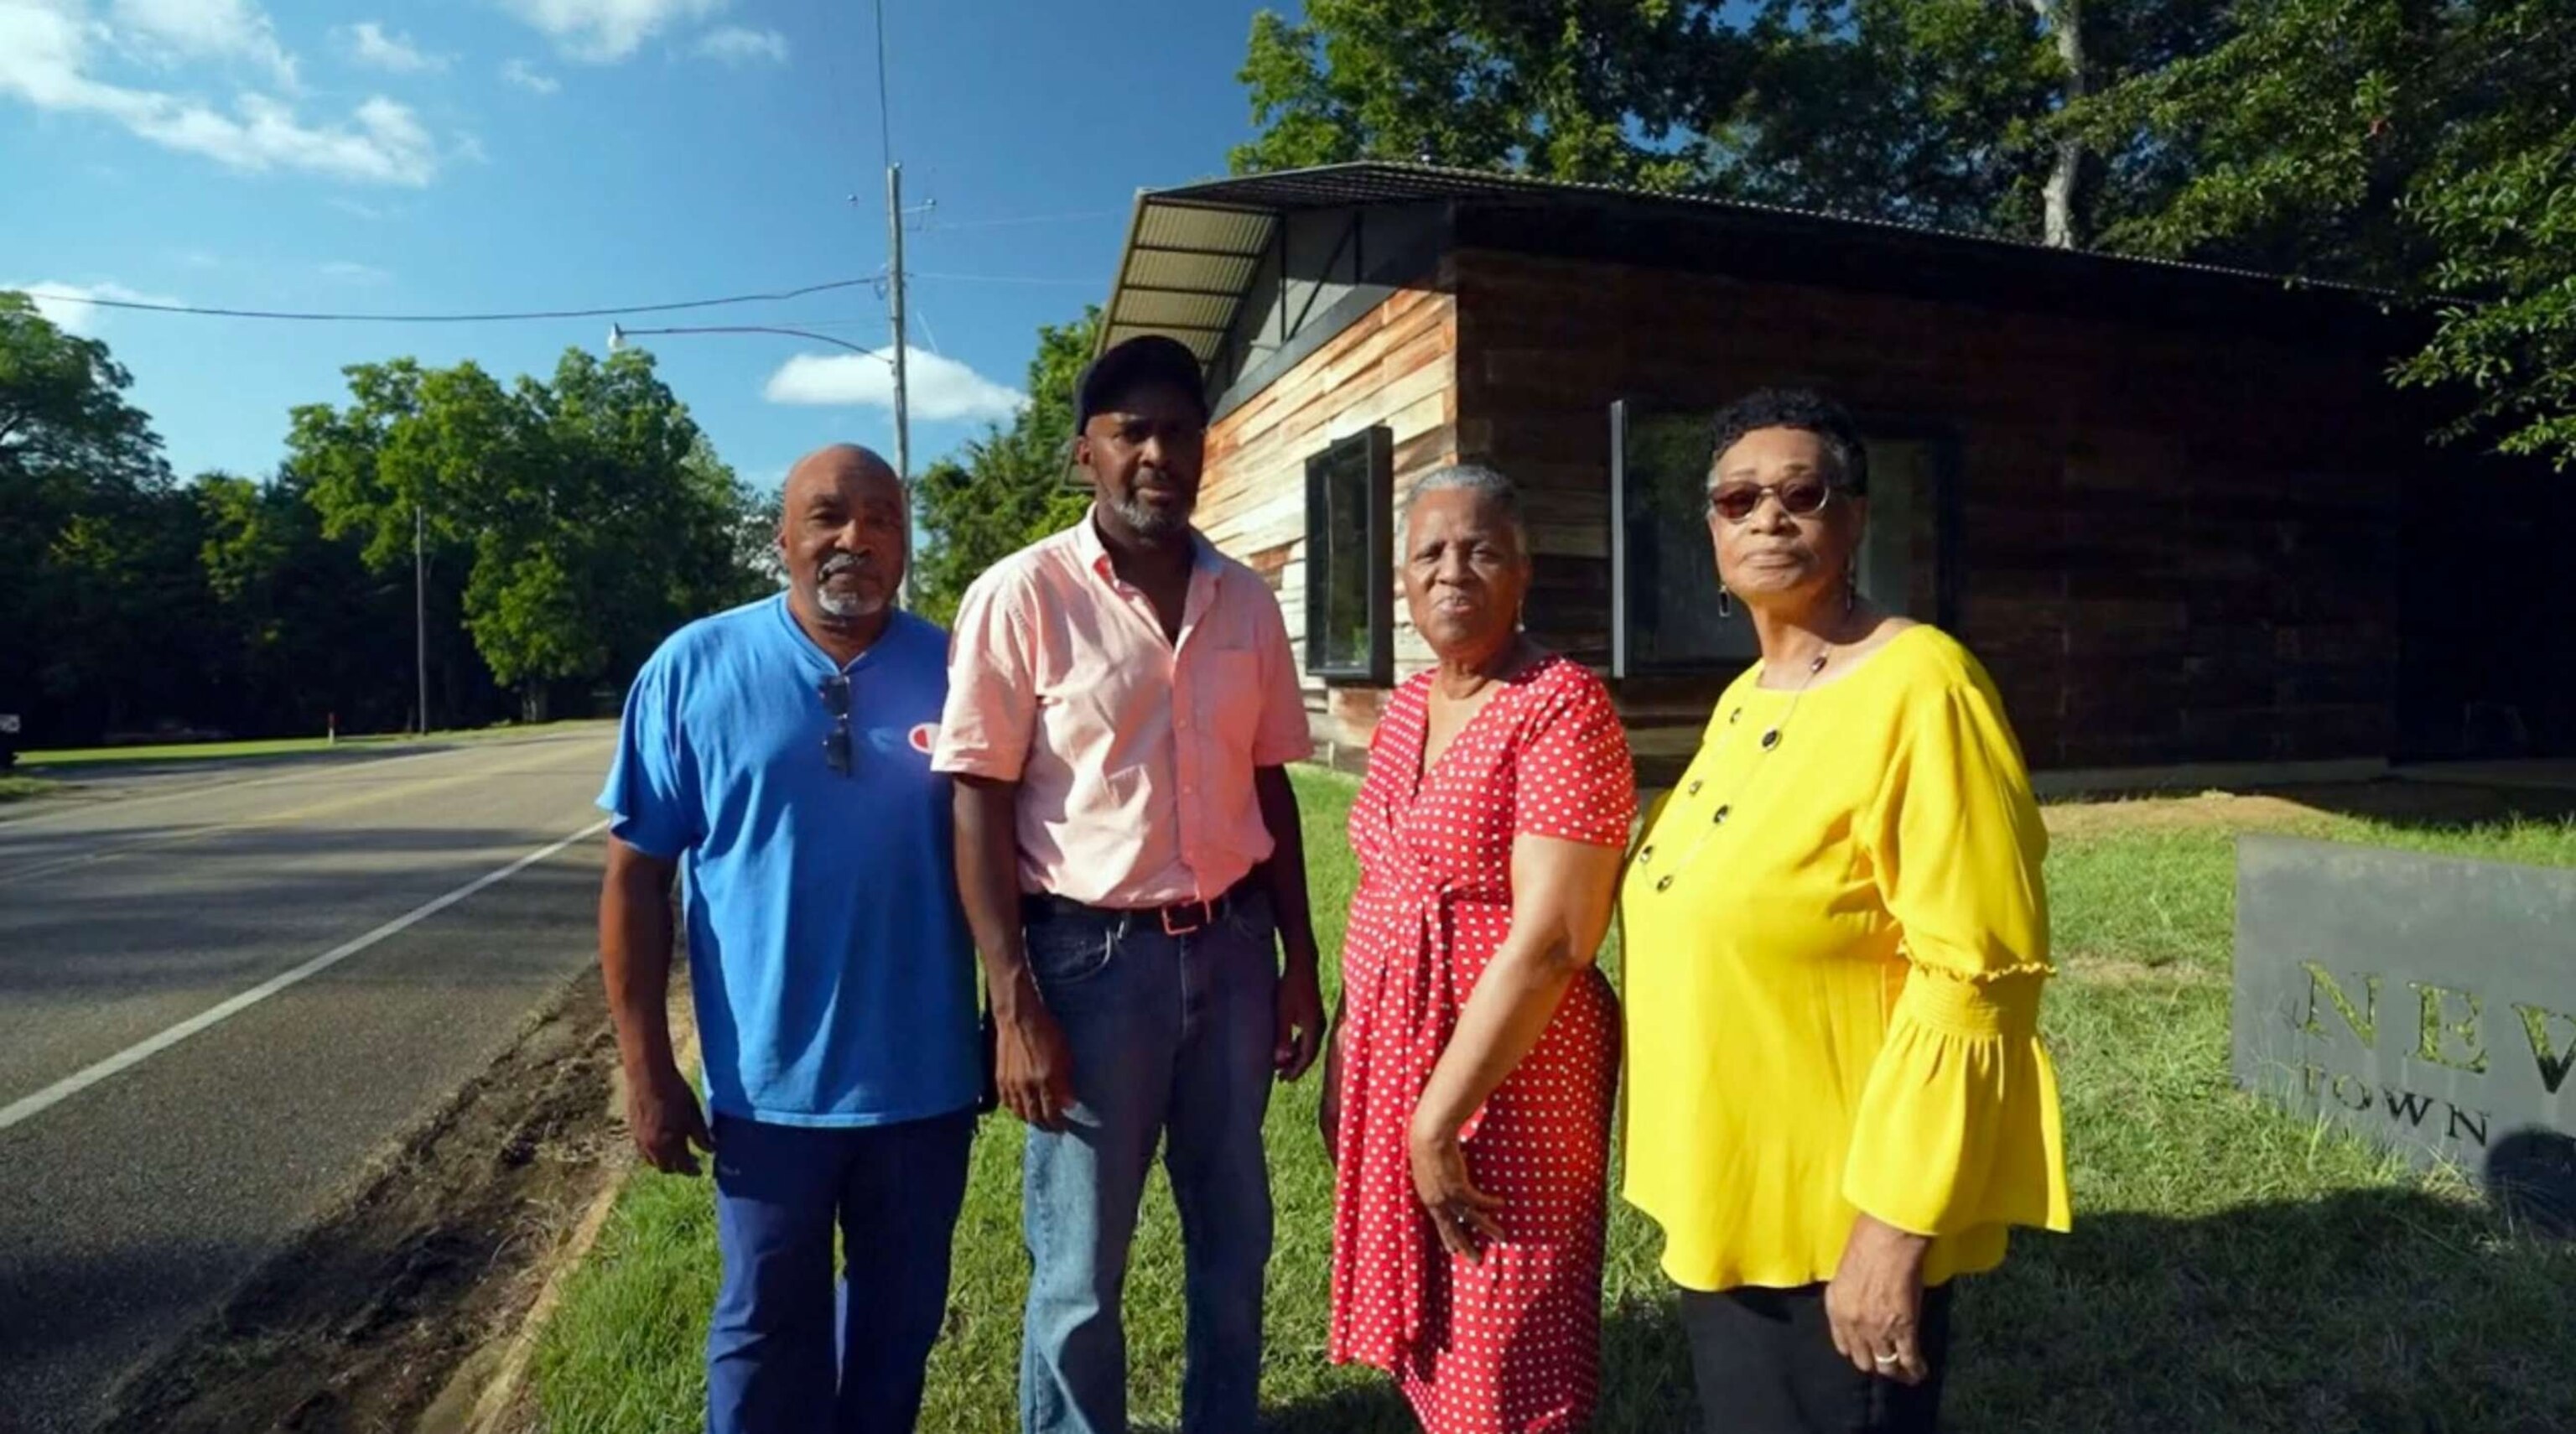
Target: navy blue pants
x=783 y=1354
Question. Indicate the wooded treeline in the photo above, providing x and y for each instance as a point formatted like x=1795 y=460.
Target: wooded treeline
x=566 y=524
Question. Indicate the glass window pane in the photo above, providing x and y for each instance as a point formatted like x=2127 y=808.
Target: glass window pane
x=1341 y=483
x=1673 y=619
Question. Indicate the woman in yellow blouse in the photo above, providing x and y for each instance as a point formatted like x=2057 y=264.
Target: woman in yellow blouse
x=1836 y=935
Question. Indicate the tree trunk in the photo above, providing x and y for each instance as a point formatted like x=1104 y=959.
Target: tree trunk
x=2065 y=21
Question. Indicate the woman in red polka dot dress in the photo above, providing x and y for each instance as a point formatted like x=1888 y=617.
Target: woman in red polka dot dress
x=1468 y=1093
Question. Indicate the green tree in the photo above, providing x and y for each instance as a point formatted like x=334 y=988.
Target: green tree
x=573 y=521
x=64 y=423
x=1919 y=111
x=90 y=603
x=2426 y=147
x=298 y=627
x=1006 y=487
x=1594 y=90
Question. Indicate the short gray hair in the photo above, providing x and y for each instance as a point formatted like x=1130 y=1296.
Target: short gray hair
x=1489 y=486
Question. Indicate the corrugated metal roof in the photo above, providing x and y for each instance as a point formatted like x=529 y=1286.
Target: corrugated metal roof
x=1184 y=270
x=1389 y=182
x=1192 y=251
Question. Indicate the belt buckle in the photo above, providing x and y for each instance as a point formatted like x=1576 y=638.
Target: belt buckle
x=1199 y=925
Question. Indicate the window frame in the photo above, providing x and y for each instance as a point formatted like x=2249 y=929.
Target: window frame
x=1376 y=667
x=1624 y=662
x=1943 y=439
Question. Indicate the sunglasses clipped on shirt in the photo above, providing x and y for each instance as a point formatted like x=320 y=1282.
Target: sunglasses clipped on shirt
x=836 y=700
x=1798 y=497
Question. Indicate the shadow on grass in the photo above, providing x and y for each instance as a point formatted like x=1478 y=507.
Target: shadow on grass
x=1645 y=1385
x=2383 y=1310
x=2374 y=1309
x=2436 y=804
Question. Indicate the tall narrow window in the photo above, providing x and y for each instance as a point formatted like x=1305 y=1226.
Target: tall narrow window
x=1350 y=559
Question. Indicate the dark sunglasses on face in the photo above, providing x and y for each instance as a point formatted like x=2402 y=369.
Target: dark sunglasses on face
x=1798 y=497
x=836 y=700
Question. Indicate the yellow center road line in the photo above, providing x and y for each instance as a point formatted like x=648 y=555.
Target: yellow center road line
x=108 y=804
x=348 y=802
x=29 y=1106
x=358 y=760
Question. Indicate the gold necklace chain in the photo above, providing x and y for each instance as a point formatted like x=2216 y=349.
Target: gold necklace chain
x=1718 y=818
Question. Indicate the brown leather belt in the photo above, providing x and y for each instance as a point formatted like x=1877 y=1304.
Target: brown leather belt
x=1181 y=918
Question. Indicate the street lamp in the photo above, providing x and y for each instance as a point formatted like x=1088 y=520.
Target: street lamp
x=618 y=334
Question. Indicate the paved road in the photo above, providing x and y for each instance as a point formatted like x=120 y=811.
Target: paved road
x=141 y=1176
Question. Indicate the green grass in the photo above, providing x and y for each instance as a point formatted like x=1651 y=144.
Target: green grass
x=96 y=757
x=2232 y=1268
x=19 y=789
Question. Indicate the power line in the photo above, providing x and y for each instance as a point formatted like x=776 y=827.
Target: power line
x=318 y=318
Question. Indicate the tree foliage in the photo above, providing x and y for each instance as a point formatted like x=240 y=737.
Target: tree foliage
x=1006 y=488
x=575 y=519
x=570 y=523
x=1920 y=111
x=2428 y=146
x=1589 y=90
x=85 y=565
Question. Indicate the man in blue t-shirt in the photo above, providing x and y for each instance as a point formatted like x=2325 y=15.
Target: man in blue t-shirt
x=778 y=757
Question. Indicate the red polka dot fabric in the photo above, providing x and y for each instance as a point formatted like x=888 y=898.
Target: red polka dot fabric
x=1509 y=1344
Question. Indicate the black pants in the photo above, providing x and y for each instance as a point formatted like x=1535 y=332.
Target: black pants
x=1765 y=1363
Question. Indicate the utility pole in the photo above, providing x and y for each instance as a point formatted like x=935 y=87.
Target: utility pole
x=420 y=612
x=902 y=406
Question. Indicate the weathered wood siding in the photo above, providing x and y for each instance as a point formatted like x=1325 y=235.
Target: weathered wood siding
x=1396 y=366
x=2170 y=546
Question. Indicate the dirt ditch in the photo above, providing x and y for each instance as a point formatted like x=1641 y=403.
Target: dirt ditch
x=437 y=1254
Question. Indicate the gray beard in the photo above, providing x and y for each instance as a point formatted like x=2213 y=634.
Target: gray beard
x=1149 y=521
x=847 y=608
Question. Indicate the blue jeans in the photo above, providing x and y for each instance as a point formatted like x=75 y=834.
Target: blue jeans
x=1171 y=1039
x=782 y=1353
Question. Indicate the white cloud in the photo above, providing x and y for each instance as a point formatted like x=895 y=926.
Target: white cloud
x=45 y=60
x=367 y=212
x=175 y=31
x=528 y=77
x=469 y=147
x=942 y=389
x=368 y=44
x=606 y=31
x=738 y=46
x=58 y=302
x=349 y=271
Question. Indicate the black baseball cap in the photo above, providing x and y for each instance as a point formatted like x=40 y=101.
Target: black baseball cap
x=1144 y=359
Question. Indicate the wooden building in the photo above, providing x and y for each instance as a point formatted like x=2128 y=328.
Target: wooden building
x=2178 y=511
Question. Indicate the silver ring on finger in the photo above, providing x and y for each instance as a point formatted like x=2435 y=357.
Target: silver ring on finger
x=1887 y=1361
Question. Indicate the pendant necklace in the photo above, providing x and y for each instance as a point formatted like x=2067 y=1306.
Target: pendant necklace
x=1770 y=742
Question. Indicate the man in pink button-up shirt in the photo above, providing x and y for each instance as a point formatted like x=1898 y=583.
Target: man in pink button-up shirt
x=1122 y=706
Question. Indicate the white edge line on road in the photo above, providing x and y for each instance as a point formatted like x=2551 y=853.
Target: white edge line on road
x=71 y=1085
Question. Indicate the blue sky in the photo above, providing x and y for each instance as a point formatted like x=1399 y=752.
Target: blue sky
x=483 y=155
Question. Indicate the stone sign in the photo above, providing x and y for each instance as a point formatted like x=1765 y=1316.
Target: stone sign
x=2426 y=1002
